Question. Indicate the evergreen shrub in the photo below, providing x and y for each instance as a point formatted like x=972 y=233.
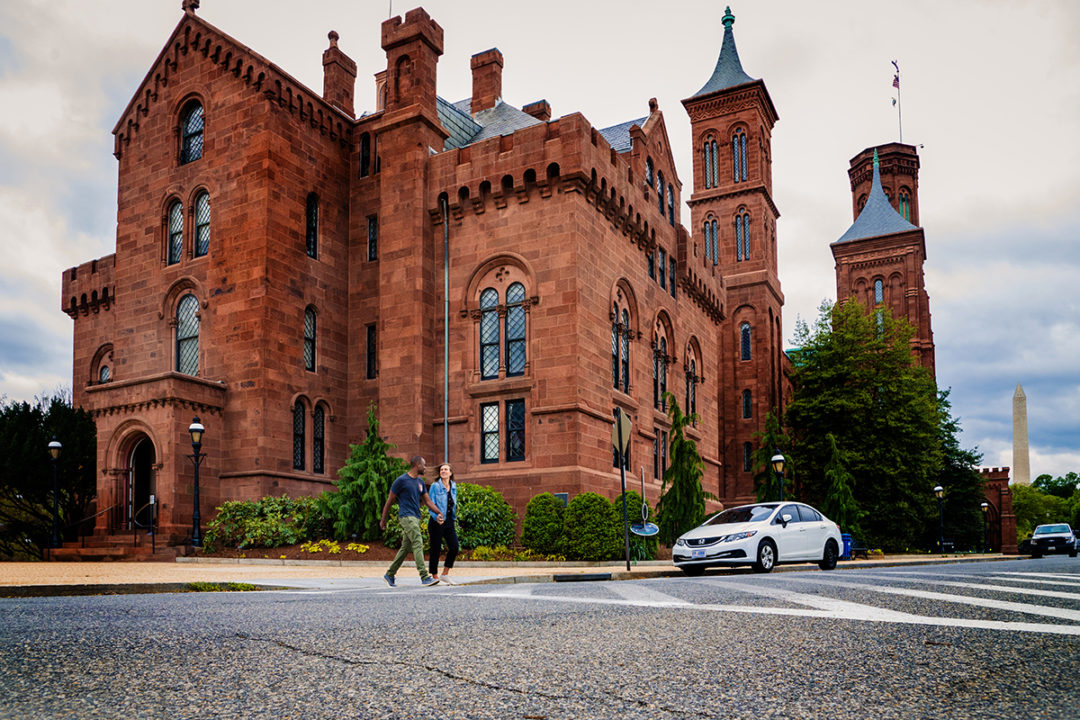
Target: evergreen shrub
x=542 y=529
x=483 y=517
x=269 y=522
x=590 y=531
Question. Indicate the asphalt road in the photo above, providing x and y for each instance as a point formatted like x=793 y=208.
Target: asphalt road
x=978 y=640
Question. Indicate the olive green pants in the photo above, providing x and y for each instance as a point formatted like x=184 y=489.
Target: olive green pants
x=411 y=542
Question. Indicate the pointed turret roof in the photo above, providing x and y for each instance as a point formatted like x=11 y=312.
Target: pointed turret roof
x=878 y=216
x=728 y=72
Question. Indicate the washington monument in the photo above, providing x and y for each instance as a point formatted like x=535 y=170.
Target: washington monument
x=1021 y=465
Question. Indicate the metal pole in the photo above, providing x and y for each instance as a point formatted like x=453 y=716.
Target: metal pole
x=622 y=477
x=56 y=507
x=446 y=330
x=781 y=475
x=941 y=526
x=196 y=539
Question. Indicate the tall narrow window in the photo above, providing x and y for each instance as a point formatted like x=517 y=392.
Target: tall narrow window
x=663 y=374
x=661 y=266
x=299 y=422
x=671 y=205
x=625 y=455
x=738 y=153
x=515 y=430
x=715 y=155
x=747 y=404
x=191 y=132
x=656 y=457
x=625 y=351
x=365 y=155
x=742 y=236
x=176 y=232
x=706 y=162
x=373 y=238
x=515 y=329
x=202 y=224
x=746 y=236
x=747 y=457
x=318 y=435
x=616 y=334
x=715 y=244
x=905 y=205
x=309 y=339
x=371 y=356
x=650 y=259
x=187 y=335
x=663 y=452
x=489 y=433
x=660 y=190
x=671 y=276
x=312 y=216
x=879 y=292
x=656 y=376
x=649 y=171
x=489 y=334
x=692 y=402
x=707 y=241
x=744 y=341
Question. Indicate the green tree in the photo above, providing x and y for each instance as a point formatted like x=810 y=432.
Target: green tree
x=1062 y=487
x=682 y=500
x=854 y=378
x=771 y=439
x=964 y=487
x=839 y=504
x=26 y=480
x=1034 y=507
x=362 y=486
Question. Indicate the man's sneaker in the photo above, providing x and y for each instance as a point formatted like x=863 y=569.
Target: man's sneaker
x=429 y=581
x=389 y=580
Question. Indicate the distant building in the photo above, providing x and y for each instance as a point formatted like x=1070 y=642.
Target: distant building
x=279 y=267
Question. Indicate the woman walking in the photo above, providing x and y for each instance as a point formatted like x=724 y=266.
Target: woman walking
x=443 y=493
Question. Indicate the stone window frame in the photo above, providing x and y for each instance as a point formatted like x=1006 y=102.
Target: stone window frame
x=299 y=414
x=692 y=369
x=184 y=110
x=624 y=318
x=498 y=273
x=490 y=430
x=663 y=339
x=102 y=362
x=198 y=247
x=194 y=338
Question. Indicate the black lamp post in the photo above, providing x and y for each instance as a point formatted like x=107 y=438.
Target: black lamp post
x=778 y=467
x=940 y=493
x=54 y=451
x=986 y=525
x=196 y=429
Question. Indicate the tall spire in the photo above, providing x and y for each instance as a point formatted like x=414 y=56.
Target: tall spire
x=728 y=72
x=878 y=216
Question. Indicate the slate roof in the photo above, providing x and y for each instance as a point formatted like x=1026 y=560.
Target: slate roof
x=728 y=72
x=878 y=216
x=618 y=136
x=457 y=122
x=466 y=128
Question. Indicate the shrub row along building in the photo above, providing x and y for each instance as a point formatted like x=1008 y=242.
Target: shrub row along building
x=496 y=281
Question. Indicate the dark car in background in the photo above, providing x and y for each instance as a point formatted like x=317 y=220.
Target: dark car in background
x=1053 y=538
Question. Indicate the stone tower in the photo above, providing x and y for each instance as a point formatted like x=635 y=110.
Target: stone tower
x=1021 y=466
x=734 y=217
x=879 y=260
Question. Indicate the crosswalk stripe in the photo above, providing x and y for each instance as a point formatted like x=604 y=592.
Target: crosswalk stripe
x=975 y=586
x=1058 y=576
x=633 y=591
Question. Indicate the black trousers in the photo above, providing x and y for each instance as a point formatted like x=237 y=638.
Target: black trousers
x=438 y=533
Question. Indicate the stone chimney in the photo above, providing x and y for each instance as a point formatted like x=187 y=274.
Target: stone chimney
x=541 y=110
x=339 y=76
x=486 y=79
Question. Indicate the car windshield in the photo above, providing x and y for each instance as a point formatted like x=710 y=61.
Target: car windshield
x=1047 y=529
x=746 y=513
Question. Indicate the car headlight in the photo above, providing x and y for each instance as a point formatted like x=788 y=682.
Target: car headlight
x=739 y=536
x=680 y=543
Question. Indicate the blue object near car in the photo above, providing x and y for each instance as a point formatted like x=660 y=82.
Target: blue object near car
x=846 y=553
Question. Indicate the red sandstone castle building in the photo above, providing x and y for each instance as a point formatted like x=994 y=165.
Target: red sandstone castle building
x=496 y=281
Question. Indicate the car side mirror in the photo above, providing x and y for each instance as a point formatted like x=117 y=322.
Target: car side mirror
x=785 y=519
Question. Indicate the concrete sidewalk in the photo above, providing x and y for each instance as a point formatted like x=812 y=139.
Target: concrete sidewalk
x=87 y=578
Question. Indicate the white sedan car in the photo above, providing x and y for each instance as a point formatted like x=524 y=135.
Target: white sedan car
x=761 y=535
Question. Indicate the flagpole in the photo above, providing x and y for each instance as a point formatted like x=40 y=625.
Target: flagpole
x=899 y=104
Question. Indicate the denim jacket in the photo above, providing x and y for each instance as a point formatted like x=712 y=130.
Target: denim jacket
x=438 y=496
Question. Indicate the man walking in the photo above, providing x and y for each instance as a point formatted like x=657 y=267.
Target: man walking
x=408 y=491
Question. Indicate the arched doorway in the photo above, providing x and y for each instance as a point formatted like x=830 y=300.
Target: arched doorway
x=140 y=484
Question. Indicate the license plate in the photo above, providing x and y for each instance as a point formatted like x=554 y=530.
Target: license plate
x=697 y=553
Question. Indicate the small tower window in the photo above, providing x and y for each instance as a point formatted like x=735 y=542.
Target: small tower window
x=662 y=268
x=660 y=190
x=744 y=341
x=312 y=223
x=649 y=171
x=309 y=339
x=671 y=279
x=191 y=132
x=318 y=440
x=747 y=457
x=738 y=154
x=706 y=162
x=373 y=238
x=176 y=232
x=905 y=205
x=747 y=404
x=715 y=244
x=202 y=224
x=671 y=205
x=742 y=236
x=299 y=423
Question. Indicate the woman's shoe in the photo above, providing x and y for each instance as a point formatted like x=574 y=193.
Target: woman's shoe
x=446 y=580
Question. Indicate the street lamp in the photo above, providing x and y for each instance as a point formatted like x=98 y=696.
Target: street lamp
x=54 y=451
x=986 y=525
x=940 y=493
x=778 y=467
x=196 y=429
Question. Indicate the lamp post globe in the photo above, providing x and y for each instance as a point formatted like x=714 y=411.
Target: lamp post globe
x=196 y=431
x=778 y=461
x=940 y=493
x=54 y=451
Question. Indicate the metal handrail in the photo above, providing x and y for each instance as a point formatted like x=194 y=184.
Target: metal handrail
x=82 y=538
x=150 y=527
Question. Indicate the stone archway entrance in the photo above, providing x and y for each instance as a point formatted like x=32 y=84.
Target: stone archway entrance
x=139 y=484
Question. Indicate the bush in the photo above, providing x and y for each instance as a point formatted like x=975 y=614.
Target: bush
x=270 y=522
x=641 y=548
x=483 y=517
x=543 y=526
x=392 y=534
x=589 y=529
x=505 y=554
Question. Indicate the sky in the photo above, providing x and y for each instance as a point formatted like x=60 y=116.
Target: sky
x=991 y=97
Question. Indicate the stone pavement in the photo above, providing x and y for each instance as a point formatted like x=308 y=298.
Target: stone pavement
x=93 y=578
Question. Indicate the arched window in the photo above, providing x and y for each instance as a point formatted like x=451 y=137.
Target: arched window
x=649 y=171
x=707 y=239
x=191 y=132
x=879 y=292
x=671 y=205
x=318 y=438
x=691 y=387
x=625 y=351
x=738 y=154
x=905 y=205
x=744 y=341
x=309 y=338
x=706 y=162
x=299 y=427
x=661 y=266
x=312 y=225
x=489 y=334
x=515 y=329
x=620 y=349
x=742 y=236
x=187 y=335
x=715 y=244
x=176 y=232
x=202 y=224
x=747 y=404
x=715 y=156
x=660 y=383
x=660 y=190
x=616 y=336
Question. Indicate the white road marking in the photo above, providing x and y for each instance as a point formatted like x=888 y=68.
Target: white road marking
x=1033 y=578
x=633 y=591
x=1059 y=576
x=974 y=586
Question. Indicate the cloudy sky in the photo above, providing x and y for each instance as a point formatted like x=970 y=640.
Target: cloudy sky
x=991 y=95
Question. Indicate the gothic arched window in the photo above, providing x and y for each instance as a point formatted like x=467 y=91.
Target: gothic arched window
x=742 y=236
x=706 y=162
x=187 y=335
x=299 y=427
x=671 y=204
x=744 y=341
x=489 y=334
x=660 y=190
x=738 y=153
x=515 y=329
x=905 y=205
x=191 y=132
x=202 y=224
x=318 y=439
x=879 y=292
x=176 y=232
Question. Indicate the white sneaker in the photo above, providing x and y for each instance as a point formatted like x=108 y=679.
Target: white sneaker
x=446 y=580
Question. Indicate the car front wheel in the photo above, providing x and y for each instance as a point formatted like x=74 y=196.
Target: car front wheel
x=828 y=556
x=766 y=557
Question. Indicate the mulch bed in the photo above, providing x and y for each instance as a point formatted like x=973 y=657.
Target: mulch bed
x=376 y=552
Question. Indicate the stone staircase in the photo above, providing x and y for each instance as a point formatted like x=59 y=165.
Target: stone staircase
x=121 y=547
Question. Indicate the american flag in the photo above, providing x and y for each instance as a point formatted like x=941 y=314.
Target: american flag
x=896 y=81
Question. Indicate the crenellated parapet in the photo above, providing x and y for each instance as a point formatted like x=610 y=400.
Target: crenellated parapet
x=89 y=288
x=194 y=39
